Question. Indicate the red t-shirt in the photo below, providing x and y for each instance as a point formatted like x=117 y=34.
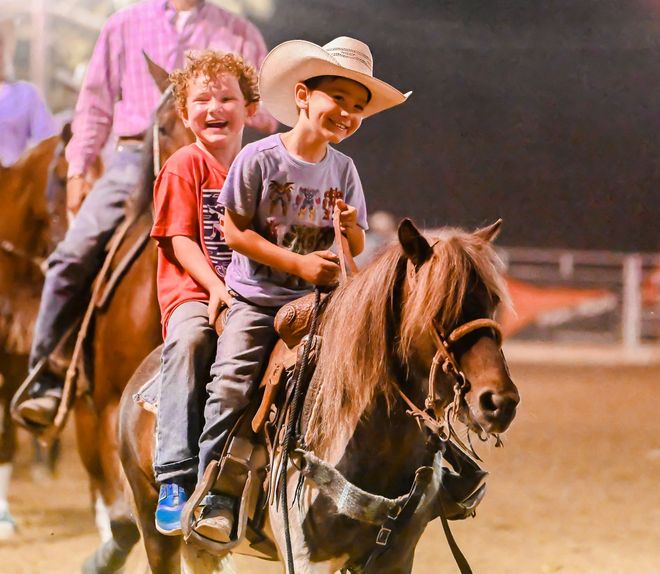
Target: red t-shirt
x=186 y=203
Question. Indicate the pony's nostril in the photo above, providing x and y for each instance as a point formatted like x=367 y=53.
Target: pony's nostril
x=487 y=402
x=496 y=404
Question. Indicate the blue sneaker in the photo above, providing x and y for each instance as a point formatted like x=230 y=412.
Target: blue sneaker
x=171 y=500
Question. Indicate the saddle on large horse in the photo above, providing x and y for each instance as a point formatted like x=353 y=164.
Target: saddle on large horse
x=64 y=370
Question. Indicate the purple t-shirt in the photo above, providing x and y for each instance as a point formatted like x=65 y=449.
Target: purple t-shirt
x=24 y=119
x=290 y=202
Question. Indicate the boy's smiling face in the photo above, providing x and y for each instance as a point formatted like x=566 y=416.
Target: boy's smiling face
x=216 y=111
x=335 y=107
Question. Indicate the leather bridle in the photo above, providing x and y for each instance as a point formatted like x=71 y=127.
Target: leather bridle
x=445 y=361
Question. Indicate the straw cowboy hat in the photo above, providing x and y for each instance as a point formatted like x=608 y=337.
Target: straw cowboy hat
x=298 y=60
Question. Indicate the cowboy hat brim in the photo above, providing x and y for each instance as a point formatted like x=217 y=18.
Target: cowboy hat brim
x=298 y=60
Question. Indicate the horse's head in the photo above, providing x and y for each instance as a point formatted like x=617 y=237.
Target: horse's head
x=451 y=289
x=169 y=133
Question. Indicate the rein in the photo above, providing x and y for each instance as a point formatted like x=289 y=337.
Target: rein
x=11 y=249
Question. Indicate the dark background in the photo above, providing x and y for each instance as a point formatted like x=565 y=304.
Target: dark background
x=544 y=113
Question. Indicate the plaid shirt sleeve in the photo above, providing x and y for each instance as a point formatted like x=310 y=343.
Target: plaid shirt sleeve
x=100 y=90
x=254 y=51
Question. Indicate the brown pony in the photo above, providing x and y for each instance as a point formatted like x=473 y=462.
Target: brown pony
x=382 y=333
x=29 y=228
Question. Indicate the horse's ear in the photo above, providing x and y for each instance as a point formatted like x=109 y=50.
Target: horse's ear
x=159 y=75
x=414 y=244
x=490 y=232
x=66 y=134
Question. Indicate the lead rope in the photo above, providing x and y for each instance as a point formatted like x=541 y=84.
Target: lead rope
x=346 y=264
x=294 y=416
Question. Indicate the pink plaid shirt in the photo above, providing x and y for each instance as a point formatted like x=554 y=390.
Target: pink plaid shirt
x=118 y=94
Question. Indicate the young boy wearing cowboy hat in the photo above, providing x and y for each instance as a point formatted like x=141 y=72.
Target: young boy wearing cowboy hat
x=279 y=198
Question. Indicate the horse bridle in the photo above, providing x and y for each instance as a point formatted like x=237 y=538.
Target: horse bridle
x=445 y=361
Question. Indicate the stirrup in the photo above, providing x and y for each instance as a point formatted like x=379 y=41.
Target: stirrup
x=23 y=394
x=237 y=475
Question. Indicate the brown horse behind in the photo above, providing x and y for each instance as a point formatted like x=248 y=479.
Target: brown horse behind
x=29 y=228
x=124 y=329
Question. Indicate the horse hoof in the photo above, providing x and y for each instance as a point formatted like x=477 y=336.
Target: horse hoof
x=7 y=526
x=90 y=566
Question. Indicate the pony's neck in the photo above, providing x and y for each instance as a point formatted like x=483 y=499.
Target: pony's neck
x=384 y=451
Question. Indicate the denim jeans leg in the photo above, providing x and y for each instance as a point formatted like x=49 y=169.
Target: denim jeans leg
x=79 y=256
x=188 y=352
x=243 y=349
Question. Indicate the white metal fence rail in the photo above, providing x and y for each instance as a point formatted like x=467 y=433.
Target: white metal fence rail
x=633 y=278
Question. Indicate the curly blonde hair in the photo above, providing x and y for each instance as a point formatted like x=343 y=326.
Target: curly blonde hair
x=211 y=64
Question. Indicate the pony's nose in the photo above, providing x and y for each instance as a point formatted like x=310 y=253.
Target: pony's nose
x=499 y=408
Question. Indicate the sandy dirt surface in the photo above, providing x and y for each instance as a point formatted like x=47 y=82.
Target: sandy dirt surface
x=575 y=490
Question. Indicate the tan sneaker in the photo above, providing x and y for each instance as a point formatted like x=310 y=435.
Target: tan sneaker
x=217 y=520
x=39 y=411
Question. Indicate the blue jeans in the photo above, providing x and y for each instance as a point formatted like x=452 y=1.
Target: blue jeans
x=189 y=349
x=79 y=256
x=243 y=350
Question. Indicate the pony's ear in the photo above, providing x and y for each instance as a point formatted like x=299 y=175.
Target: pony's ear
x=490 y=232
x=159 y=75
x=414 y=244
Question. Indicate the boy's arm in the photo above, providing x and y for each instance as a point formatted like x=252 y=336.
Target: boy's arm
x=349 y=227
x=190 y=256
x=319 y=267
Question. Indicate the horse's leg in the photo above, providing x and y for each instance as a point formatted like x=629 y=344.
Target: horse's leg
x=46 y=458
x=7 y=451
x=97 y=446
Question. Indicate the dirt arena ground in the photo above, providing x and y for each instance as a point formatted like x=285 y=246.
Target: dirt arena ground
x=575 y=490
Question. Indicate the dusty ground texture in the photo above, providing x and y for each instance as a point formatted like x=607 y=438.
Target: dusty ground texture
x=575 y=490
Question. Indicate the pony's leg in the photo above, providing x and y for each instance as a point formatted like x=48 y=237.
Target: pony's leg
x=163 y=552
x=136 y=431
x=301 y=553
x=197 y=561
x=101 y=516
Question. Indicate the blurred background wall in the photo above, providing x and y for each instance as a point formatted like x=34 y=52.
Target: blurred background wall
x=543 y=113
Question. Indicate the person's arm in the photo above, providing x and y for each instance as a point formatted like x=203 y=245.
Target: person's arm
x=254 y=51
x=318 y=267
x=93 y=116
x=176 y=227
x=349 y=227
x=187 y=252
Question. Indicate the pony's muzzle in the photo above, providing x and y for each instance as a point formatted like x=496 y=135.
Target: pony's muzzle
x=497 y=409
